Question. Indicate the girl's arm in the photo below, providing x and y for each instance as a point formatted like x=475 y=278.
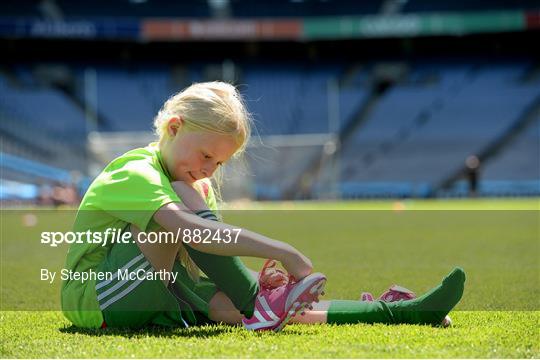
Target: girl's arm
x=174 y=216
x=190 y=197
x=194 y=202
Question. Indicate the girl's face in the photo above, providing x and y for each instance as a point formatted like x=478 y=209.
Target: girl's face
x=193 y=155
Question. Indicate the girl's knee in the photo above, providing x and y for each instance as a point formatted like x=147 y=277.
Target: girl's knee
x=221 y=309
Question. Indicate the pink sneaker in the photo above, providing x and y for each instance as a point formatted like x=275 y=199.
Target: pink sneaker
x=274 y=307
x=366 y=296
x=396 y=293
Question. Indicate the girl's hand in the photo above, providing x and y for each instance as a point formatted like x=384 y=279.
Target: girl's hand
x=298 y=265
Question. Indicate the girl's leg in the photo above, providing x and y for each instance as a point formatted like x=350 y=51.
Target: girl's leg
x=230 y=276
x=221 y=309
x=163 y=255
x=431 y=308
x=348 y=312
x=160 y=255
x=228 y=273
x=318 y=315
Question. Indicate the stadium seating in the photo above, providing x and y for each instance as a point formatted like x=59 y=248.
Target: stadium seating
x=294 y=99
x=512 y=172
x=41 y=124
x=46 y=109
x=128 y=100
x=518 y=162
x=454 y=109
x=453 y=119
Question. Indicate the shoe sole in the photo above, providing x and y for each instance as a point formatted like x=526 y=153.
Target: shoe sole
x=303 y=295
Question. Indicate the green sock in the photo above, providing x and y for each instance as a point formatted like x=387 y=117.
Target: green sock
x=354 y=311
x=430 y=308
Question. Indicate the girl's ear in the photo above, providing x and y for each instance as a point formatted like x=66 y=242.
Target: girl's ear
x=174 y=125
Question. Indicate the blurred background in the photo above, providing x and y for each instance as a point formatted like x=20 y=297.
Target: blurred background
x=351 y=99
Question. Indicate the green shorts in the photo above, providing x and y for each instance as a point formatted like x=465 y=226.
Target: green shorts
x=144 y=300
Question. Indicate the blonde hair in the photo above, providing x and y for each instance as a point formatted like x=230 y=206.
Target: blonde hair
x=215 y=107
x=209 y=106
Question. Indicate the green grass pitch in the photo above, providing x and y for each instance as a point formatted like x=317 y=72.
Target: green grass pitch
x=360 y=246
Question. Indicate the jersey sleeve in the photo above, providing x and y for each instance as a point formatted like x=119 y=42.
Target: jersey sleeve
x=133 y=192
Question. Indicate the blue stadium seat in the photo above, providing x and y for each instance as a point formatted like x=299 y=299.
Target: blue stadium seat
x=129 y=100
x=520 y=159
x=293 y=99
x=423 y=133
x=417 y=135
x=47 y=110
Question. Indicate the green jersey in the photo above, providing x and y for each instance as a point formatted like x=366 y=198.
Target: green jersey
x=128 y=191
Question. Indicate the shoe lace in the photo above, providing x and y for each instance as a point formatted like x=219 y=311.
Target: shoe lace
x=270 y=268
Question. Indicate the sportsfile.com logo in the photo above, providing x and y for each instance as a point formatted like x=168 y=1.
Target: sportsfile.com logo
x=116 y=236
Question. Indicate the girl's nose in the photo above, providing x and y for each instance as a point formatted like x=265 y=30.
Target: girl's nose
x=208 y=170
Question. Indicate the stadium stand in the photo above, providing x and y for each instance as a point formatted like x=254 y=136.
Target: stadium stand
x=517 y=162
x=45 y=108
x=404 y=135
x=42 y=135
x=453 y=109
x=302 y=95
x=453 y=119
x=129 y=100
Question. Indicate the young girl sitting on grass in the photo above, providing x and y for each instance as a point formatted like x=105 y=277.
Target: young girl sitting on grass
x=153 y=189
